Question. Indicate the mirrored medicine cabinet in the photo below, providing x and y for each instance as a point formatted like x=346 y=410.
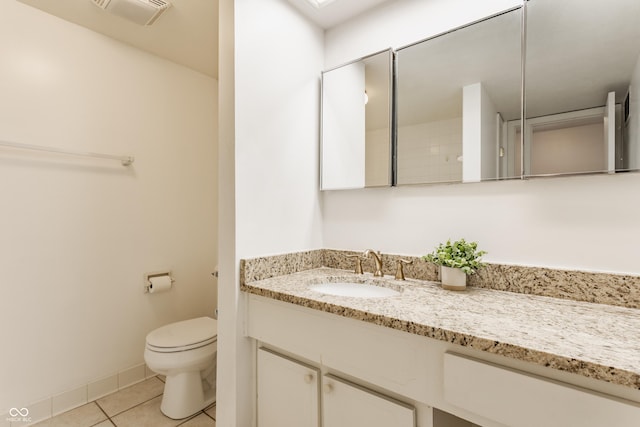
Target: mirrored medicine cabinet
x=455 y=91
x=356 y=123
x=582 y=87
x=570 y=69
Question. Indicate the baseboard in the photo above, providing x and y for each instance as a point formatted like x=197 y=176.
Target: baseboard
x=78 y=396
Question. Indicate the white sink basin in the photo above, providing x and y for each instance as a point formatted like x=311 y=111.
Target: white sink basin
x=358 y=290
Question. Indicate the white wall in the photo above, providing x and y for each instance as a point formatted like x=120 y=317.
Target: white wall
x=634 y=120
x=277 y=126
x=78 y=234
x=273 y=144
x=579 y=222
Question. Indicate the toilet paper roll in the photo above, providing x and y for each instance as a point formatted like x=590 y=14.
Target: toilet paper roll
x=159 y=284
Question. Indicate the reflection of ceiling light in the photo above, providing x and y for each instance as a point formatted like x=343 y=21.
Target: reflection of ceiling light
x=366 y=98
x=320 y=3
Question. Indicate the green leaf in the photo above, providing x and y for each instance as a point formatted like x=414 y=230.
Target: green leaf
x=459 y=254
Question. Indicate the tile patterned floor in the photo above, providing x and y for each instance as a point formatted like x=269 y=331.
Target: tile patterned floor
x=135 y=406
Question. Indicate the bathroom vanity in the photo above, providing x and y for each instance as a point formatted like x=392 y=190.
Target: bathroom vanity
x=491 y=357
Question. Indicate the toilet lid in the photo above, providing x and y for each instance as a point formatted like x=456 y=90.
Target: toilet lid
x=185 y=333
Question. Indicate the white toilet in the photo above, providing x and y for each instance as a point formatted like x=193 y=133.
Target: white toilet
x=185 y=352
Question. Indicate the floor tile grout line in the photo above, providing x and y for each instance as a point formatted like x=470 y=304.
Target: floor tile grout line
x=202 y=411
x=113 y=423
x=105 y=414
x=134 y=406
x=141 y=403
x=189 y=418
x=214 y=405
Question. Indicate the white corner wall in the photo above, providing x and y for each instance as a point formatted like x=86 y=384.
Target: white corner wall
x=269 y=156
x=634 y=119
x=78 y=234
x=587 y=222
x=277 y=95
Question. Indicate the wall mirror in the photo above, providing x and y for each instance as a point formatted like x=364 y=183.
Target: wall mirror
x=455 y=94
x=582 y=85
x=356 y=121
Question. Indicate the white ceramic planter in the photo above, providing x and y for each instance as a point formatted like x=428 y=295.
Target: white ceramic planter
x=453 y=279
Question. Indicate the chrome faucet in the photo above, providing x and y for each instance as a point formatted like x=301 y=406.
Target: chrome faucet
x=377 y=257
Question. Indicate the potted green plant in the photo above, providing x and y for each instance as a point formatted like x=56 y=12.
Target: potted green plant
x=456 y=260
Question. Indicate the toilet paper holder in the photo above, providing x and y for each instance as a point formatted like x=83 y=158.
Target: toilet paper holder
x=149 y=276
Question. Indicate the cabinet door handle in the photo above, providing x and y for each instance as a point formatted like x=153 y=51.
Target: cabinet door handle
x=308 y=378
x=328 y=388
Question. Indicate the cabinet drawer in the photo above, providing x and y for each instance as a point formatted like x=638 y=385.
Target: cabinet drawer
x=520 y=400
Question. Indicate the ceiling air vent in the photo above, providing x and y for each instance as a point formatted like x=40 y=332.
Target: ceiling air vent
x=143 y=12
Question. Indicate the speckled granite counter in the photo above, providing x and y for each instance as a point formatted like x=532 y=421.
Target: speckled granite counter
x=603 y=288
x=594 y=340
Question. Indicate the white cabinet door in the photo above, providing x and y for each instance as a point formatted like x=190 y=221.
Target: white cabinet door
x=347 y=405
x=287 y=392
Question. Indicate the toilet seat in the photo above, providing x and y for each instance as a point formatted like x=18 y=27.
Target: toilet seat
x=182 y=336
x=182 y=348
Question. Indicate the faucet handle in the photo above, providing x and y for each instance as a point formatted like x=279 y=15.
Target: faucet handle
x=399 y=270
x=358 y=268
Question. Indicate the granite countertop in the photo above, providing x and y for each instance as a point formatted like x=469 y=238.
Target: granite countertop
x=594 y=340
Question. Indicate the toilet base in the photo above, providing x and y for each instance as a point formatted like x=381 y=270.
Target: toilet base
x=185 y=394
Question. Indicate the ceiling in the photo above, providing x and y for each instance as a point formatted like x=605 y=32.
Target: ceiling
x=186 y=33
x=335 y=12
